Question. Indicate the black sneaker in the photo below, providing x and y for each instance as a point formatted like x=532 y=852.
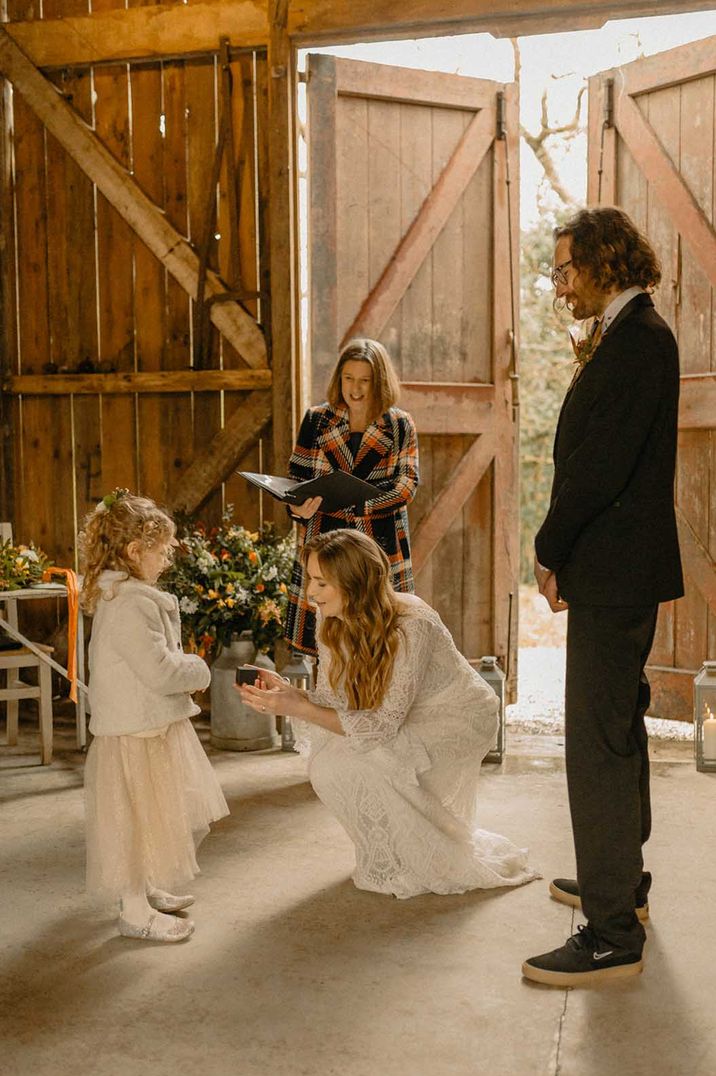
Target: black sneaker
x=566 y=891
x=583 y=960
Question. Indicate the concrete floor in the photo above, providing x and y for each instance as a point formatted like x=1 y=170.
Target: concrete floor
x=293 y=972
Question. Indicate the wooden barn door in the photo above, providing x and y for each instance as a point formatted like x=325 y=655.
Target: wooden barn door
x=413 y=229
x=652 y=137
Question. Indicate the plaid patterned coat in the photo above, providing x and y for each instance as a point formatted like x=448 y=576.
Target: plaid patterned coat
x=387 y=457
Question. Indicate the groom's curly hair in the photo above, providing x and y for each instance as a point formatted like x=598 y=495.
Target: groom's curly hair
x=608 y=245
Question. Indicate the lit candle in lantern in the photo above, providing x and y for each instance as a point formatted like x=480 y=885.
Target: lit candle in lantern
x=709 y=735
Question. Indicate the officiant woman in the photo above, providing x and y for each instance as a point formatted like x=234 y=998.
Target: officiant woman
x=358 y=429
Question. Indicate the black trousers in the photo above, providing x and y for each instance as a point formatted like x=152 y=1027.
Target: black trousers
x=607 y=695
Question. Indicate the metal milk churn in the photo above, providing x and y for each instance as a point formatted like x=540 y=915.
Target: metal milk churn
x=491 y=672
x=235 y=727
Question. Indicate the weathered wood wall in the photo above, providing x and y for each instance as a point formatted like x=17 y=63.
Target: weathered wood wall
x=404 y=180
x=89 y=295
x=668 y=186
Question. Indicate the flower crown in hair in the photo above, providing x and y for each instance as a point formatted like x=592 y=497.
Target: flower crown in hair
x=117 y=494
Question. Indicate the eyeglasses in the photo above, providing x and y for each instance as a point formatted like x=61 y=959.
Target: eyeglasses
x=558 y=275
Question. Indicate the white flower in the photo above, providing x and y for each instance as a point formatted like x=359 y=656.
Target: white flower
x=242 y=595
x=188 y=605
x=206 y=562
x=271 y=573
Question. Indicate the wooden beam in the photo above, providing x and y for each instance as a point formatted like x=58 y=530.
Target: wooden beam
x=222 y=454
x=666 y=182
x=121 y=191
x=137 y=33
x=445 y=407
x=449 y=502
x=9 y=416
x=356 y=78
x=123 y=383
x=364 y=20
x=698 y=563
x=164 y=30
x=505 y=355
x=281 y=66
x=430 y=220
x=322 y=102
x=697 y=402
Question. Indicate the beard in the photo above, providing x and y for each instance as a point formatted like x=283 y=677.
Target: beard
x=583 y=306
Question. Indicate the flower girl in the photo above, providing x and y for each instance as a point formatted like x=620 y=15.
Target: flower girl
x=150 y=790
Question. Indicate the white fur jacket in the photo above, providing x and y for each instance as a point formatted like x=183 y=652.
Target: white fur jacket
x=140 y=678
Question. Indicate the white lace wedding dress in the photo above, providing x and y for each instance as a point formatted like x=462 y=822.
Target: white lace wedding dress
x=403 y=779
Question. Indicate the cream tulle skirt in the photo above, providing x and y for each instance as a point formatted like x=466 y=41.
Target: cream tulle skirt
x=149 y=801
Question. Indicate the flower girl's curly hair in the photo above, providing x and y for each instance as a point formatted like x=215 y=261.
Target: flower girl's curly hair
x=120 y=518
x=364 y=642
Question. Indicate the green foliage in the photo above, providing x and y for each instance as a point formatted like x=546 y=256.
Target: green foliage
x=229 y=580
x=546 y=368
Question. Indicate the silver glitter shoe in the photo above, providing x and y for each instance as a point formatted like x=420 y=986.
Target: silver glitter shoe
x=167 y=902
x=154 y=930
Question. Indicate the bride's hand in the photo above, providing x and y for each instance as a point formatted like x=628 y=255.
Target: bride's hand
x=279 y=698
x=267 y=676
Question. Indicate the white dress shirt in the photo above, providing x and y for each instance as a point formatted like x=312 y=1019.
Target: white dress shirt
x=617 y=305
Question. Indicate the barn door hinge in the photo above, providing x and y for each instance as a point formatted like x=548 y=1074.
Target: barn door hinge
x=514 y=374
x=609 y=102
x=501 y=117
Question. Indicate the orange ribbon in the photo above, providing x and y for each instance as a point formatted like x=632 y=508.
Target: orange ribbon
x=73 y=607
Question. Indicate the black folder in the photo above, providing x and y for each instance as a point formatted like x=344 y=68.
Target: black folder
x=339 y=489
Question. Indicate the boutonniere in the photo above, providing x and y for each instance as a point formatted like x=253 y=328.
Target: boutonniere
x=585 y=339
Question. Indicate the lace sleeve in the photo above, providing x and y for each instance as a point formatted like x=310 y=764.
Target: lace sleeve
x=366 y=729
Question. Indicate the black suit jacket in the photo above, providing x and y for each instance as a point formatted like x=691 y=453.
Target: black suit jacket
x=610 y=533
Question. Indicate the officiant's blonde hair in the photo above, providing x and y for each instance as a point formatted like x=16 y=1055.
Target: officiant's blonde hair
x=364 y=642
x=385 y=387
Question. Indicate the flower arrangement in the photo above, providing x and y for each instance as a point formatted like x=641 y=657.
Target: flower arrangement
x=21 y=565
x=585 y=339
x=229 y=580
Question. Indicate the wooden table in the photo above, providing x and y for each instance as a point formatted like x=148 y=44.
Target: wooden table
x=9 y=622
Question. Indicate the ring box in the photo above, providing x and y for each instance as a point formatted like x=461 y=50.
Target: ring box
x=246 y=675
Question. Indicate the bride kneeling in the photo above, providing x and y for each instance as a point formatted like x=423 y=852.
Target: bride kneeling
x=395 y=731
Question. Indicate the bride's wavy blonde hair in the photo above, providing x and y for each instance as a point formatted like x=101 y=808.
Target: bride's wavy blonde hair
x=120 y=518
x=364 y=642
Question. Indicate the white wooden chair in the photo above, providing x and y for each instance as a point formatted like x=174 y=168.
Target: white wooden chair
x=12 y=661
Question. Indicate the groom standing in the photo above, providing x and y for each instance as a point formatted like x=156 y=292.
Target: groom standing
x=608 y=551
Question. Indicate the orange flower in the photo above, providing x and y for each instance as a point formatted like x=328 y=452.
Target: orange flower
x=253 y=556
x=260 y=588
x=226 y=555
x=283 y=588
